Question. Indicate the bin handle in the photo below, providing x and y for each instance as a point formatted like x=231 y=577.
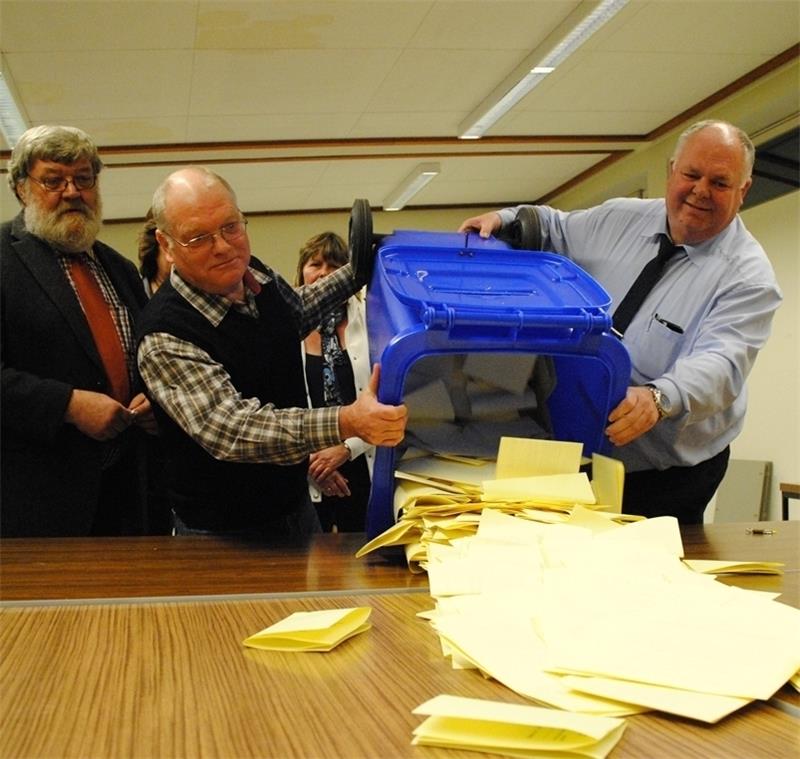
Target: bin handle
x=447 y=317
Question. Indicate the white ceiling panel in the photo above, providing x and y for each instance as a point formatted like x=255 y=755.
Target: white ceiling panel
x=410 y=79
x=286 y=81
x=67 y=87
x=704 y=26
x=49 y=26
x=292 y=24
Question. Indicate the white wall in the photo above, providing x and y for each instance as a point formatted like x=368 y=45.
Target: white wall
x=772 y=426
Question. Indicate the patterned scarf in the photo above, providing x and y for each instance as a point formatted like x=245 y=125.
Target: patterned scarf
x=332 y=355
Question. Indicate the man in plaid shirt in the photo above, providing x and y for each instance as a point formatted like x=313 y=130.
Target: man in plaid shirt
x=219 y=353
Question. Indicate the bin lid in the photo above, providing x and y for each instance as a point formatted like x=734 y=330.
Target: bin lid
x=457 y=271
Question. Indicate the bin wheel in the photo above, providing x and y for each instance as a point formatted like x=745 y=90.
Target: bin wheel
x=524 y=232
x=360 y=241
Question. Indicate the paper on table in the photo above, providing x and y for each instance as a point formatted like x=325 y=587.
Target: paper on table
x=400 y=533
x=505 y=646
x=702 y=653
x=707 y=707
x=657 y=534
x=514 y=729
x=589 y=519
x=524 y=457
x=312 y=630
x=552 y=488
x=715 y=567
x=513 y=566
x=505 y=528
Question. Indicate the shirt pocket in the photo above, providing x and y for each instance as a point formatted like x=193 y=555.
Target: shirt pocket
x=655 y=350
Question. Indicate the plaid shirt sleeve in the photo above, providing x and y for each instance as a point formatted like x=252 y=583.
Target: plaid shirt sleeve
x=197 y=393
x=309 y=302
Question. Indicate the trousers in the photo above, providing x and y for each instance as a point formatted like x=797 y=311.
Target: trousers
x=679 y=491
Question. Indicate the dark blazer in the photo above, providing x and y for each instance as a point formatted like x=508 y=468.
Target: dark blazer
x=49 y=472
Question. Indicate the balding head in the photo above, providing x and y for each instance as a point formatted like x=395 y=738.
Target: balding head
x=188 y=185
x=727 y=133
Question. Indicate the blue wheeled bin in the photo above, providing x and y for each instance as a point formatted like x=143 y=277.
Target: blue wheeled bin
x=446 y=293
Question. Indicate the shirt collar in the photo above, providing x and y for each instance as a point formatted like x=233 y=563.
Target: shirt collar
x=657 y=225
x=215 y=307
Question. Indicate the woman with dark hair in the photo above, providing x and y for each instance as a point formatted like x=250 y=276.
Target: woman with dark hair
x=153 y=265
x=337 y=369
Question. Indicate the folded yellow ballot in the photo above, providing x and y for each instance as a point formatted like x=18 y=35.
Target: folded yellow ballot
x=312 y=630
x=716 y=567
x=514 y=729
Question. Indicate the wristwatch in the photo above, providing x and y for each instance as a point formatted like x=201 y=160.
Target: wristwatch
x=348 y=449
x=662 y=403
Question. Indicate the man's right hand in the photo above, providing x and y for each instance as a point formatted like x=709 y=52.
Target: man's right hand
x=377 y=423
x=97 y=415
x=485 y=225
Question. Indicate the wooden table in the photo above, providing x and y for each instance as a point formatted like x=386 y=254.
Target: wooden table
x=124 y=674
x=81 y=568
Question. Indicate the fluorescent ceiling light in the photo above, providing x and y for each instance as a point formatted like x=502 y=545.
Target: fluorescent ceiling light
x=410 y=186
x=494 y=108
x=12 y=123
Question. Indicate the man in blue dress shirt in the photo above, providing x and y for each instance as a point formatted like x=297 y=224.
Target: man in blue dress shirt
x=698 y=332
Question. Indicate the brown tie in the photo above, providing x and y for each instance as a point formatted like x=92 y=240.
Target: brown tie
x=104 y=331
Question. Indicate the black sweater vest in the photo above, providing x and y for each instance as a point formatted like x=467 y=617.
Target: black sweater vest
x=263 y=359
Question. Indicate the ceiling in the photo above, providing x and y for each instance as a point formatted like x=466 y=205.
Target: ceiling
x=304 y=106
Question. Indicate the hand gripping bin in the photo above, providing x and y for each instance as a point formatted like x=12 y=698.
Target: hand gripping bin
x=439 y=293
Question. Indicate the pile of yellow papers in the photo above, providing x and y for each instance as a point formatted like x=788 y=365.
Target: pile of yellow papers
x=570 y=616
x=312 y=630
x=514 y=729
x=438 y=498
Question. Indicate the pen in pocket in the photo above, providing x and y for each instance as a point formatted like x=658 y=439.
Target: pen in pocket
x=669 y=325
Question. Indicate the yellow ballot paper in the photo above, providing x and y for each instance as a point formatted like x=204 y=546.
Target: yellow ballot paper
x=514 y=729
x=716 y=567
x=608 y=480
x=525 y=457
x=565 y=489
x=312 y=630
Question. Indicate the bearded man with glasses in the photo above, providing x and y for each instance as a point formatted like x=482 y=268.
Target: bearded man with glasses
x=219 y=353
x=72 y=416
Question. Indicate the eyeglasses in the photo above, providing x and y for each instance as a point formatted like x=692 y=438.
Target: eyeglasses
x=59 y=184
x=231 y=232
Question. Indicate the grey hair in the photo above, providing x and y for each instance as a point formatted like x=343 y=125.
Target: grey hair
x=62 y=144
x=748 y=149
x=159 y=205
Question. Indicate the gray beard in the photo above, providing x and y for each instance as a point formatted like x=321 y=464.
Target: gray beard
x=72 y=233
